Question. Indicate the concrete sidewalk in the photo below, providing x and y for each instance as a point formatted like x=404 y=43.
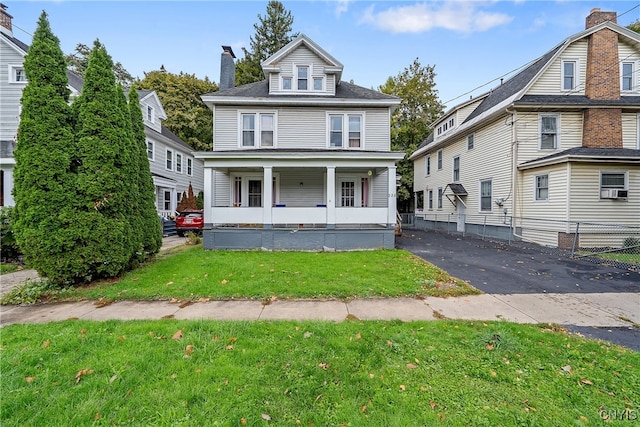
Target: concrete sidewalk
x=596 y=310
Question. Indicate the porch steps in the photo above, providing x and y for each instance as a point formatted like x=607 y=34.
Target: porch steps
x=169 y=228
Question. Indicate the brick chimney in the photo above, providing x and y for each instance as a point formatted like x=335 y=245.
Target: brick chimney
x=602 y=127
x=5 y=20
x=227 y=68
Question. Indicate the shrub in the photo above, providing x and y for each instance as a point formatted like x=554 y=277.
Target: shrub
x=10 y=249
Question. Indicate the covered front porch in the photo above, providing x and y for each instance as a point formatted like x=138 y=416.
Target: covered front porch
x=323 y=201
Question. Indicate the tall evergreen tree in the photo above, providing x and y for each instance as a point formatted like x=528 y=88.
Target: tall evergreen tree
x=102 y=224
x=44 y=184
x=272 y=33
x=410 y=122
x=78 y=62
x=150 y=225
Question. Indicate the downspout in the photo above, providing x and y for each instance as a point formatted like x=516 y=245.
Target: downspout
x=514 y=169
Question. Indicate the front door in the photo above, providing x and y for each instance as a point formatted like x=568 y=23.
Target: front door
x=461 y=215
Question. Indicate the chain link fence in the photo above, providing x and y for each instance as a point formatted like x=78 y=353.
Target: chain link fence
x=605 y=243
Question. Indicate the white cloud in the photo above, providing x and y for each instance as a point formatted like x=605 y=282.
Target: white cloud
x=461 y=16
x=341 y=7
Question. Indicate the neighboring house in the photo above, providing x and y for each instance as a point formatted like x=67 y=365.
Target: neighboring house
x=300 y=160
x=12 y=81
x=171 y=161
x=557 y=143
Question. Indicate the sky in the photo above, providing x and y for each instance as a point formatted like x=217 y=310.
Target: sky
x=471 y=44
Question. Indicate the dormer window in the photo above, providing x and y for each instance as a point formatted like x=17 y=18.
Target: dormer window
x=317 y=83
x=149 y=113
x=286 y=83
x=303 y=78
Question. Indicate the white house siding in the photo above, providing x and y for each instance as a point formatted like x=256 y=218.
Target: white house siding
x=380 y=188
x=222 y=189
x=551 y=80
x=528 y=134
x=301 y=187
x=151 y=101
x=11 y=93
x=587 y=207
x=464 y=112
x=541 y=220
x=630 y=131
x=298 y=128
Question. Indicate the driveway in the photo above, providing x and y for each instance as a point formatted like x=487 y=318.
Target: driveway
x=505 y=270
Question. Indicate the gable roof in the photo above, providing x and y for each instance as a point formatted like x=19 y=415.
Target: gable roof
x=271 y=64
x=75 y=81
x=151 y=95
x=513 y=91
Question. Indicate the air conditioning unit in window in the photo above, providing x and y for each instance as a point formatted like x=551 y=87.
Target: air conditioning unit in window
x=612 y=193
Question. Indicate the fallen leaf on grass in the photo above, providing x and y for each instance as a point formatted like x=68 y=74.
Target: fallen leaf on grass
x=204 y=299
x=411 y=366
x=188 y=350
x=266 y=417
x=403 y=387
x=585 y=381
x=224 y=281
x=229 y=347
x=112 y=379
x=169 y=283
x=177 y=335
x=96 y=417
x=81 y=373
x=46 y=344
x=566 y=368
x=323 y=365
x=432 y=404
x=174 y=300
x=363 y=409
x=29 y=379
x=243 y=421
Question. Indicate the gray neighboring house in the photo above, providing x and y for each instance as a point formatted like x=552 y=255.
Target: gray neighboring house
x=171 y=161
x=300 y=160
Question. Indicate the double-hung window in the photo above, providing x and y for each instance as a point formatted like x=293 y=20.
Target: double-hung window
x=178 y=163
x=149 y=113
x=420 y=200
x=440 y=198
x=548 y=132
x=485 y=195
x=439 y=159
x=150 y=150
x=169 y=160
x=456 y=169
x=627 y=76
x=427 y=161
x=430 y=200
x=303 y=78
x=189 y=167
x=346 y=131
x=470 y=141
x=542 y=187
x=569 y=78
x=258 y=130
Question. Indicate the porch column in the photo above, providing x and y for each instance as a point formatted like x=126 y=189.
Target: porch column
x=331 y=197
x=208 y=195
x=391 y=204
x=267 y=197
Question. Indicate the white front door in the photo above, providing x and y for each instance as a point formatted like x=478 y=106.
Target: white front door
x=461 y=215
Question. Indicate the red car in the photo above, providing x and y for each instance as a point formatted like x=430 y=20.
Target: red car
x=189 y=220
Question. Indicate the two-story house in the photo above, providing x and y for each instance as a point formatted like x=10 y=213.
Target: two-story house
x=556 y=144
x=172 y=164
x=300 y=160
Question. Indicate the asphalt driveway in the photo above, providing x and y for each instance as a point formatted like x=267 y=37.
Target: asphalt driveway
x=500 y=268
x=497 y=267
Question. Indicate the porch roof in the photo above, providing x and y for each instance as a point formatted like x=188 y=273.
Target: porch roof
x=288 y=155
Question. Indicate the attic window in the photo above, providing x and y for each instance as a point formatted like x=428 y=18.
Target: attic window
x=286 y=83
x=627 y=76
x=303 y=78
x=149 y=113
x=17 y=74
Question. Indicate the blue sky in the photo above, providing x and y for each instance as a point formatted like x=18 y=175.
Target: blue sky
x=471 y=43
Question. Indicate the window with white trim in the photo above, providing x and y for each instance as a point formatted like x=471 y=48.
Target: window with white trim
x=286 y=83
x=549 y=134
x=318 y=84
x=257 y=130
x=353 y=137
x=440 y=198
x=439 y=159
x=150 y=114
x=303 y=77
x=638 y=128
x=470 y=141
x=169 y=164
x=569 y=74
x=485 y=195
x=150 y=151
x=178 y=163
x=427 y=165
x=420 y=200
x=627 y=81
x=353 y=191
x=613 y=180
x=17 y=74
x=190 y=167
x=456 y=169
x=430 y=200
x=542 y=187
x=167 y=200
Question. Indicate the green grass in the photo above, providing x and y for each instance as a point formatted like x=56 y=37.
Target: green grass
x=8 y=268
x=352 y=373
x=620 y=257
x=193 y=273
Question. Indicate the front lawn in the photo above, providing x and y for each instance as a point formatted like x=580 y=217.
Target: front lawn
x=353 y=373
x=192 y=273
